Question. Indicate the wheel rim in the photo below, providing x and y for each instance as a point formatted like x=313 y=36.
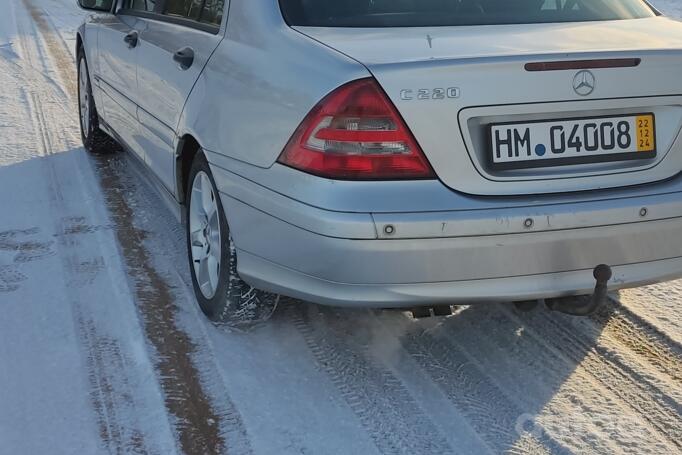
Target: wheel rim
x=84 y=97
x=204 y=231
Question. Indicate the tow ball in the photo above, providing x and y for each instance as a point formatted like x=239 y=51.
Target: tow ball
x=586 y=305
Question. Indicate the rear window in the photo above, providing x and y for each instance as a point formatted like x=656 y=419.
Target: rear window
x=425 y=13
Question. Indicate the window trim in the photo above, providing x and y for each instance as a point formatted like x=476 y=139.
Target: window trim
x=177 y=20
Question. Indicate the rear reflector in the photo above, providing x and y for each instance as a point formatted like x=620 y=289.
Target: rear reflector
x=584 y=64
x=355 y=133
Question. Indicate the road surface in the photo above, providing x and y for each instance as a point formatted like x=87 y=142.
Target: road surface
x=103 y=349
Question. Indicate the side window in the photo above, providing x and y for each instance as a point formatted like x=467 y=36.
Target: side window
x=141 y=5
x=204 y=11
x=97 y=5
x=212 y=12
x=189 y=9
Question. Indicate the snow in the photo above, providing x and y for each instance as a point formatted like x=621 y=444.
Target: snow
x=103 y=349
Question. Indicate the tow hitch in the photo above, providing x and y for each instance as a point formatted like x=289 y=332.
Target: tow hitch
x=584 y=306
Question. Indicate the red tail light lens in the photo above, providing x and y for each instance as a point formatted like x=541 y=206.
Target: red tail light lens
x=355 y=133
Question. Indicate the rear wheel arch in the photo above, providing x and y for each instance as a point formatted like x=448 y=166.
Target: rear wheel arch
x=187 y=149
x=79 y=42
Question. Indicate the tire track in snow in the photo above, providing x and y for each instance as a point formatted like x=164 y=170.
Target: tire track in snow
x=659 y=410
x=658 y=306
x=383 y=331
x=445 y=372
x=138 y=191
x=388 y=413
x=232 y=431
x=102 y=400
x=55 y=45
x=18 y=69
x=556 y=392
x=196 y=424
x=111 y=391
x=105 y=361
x=487 y=408
x=26 y=248
x=626 y=339
x=110 y=388
x=641 y=337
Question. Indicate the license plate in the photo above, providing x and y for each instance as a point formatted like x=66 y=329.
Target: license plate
x=574 y=141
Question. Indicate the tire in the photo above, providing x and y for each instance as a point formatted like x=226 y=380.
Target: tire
x=223 y=297
x=94 y=139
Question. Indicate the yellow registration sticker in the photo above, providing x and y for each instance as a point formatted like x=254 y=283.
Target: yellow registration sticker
x=646 y=140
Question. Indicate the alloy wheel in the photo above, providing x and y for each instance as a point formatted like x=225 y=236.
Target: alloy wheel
x=205 y=241
x=84 y=97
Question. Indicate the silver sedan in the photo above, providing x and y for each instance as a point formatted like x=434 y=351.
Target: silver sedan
x=406 y=153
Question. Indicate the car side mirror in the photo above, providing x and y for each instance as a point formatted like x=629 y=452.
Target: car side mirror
x=96 y=5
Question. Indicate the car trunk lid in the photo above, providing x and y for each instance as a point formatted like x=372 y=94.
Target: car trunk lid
x=451 y=83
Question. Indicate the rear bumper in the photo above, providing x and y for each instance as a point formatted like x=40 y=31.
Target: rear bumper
x=468 y=256
x=264 y=274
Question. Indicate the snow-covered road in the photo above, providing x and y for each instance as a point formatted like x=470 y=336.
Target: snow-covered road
x=103 y=350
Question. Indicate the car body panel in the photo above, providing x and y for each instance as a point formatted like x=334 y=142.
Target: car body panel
x=164 y=87
x=565 y=240
x=418 y=196
x=264 y=274
x=400 y=45
x=116 y=76
x=455 y=259
x=260 y=83
x=486 y=66
x=472 y=216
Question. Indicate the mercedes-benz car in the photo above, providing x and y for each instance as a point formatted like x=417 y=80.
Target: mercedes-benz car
x=398 y=153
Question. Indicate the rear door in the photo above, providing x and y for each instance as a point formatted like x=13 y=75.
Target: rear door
x=176 y=41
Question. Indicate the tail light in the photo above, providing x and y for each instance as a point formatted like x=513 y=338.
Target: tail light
x=355 y=133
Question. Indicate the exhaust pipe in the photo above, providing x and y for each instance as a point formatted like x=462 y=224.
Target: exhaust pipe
x=435 y=311
x=586 y=305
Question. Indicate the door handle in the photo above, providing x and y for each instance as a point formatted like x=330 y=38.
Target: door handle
x=131 y=39
x=184 y=57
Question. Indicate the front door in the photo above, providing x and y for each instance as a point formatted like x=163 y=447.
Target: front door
x=116 y=75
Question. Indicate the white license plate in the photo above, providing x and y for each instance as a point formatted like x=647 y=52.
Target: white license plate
x=575 y=141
